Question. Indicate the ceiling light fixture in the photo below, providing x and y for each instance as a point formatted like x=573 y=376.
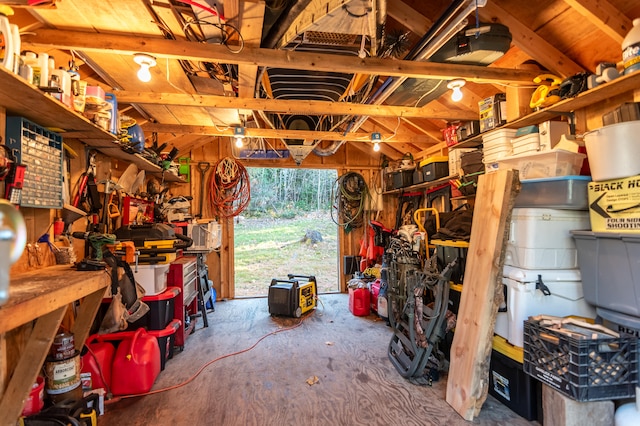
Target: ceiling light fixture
x=376 y=138
x=456 y=85
x=238 y=134
x=145 y=61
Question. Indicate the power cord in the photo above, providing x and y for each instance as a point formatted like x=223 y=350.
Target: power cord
x=193 y=377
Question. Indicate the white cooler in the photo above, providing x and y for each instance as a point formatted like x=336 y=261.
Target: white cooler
x=540 y=239
x=524 y=300
x=153 y=278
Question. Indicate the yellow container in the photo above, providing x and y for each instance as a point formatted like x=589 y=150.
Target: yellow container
x=501 y=345
x=614 y=205
x=159 y=244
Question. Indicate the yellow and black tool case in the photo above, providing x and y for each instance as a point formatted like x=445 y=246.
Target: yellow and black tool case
x=292 y=297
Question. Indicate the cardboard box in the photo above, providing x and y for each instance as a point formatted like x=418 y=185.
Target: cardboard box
x=614 y=205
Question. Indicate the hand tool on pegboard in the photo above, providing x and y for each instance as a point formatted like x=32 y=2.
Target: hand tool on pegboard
x=203 y=168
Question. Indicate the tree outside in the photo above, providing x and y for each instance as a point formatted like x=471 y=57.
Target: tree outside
x=286 y=229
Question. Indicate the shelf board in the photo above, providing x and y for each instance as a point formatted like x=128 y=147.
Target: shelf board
x=18 y=97
x=419 y=186
x=604 y=91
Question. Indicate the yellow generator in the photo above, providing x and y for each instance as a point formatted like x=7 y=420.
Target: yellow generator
x=294 y=296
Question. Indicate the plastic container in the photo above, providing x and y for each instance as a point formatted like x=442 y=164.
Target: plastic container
x=61 y=78
x=114 y=122
x=449 y=250
x=626 y=325
x=540 y=238
x=402 y=178
x=614 y=206
x=455 y=160
x=562 y=192
x=63 y=378
x=614 y=150
x=434 y=168
x=359 y=302
x=583 y=369
x=35 y=401
x=525 y=144
x=136 y=364
x=153 y=278
x=525 y=296
x=631 y=49
x=509 y=384
x=161 y=307
x=498 y=137
x=610 y=270
x=166 y=338
x=97 y=360
x=374 y=289
x=544 y=164
x=455 y=293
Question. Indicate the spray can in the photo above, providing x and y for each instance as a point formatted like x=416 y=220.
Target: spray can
x=631 y=49
x=15 y=39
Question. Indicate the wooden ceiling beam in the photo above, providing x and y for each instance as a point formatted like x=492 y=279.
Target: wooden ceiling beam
x=175 y=49
x=605 y=16
x=285 y=134
x=291 y=106
x=531 y=43
x=409 y=17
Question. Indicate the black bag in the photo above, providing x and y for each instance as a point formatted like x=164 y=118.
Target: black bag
x=471 y=162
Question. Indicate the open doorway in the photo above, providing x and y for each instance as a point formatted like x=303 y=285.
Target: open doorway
x=286 y=229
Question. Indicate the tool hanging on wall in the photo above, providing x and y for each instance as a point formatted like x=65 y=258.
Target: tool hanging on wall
x=13 y=174
x=88 y=197
x=203 y=168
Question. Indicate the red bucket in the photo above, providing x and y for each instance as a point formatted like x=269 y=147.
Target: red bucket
x=35 y=401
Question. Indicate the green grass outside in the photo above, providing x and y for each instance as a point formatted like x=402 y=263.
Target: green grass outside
x=271 y=248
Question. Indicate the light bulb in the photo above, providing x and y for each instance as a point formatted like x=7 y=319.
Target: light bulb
x=376 y=147
x=239 y=143
x=143 y=73
x=456 y=95
x=456 y=85
x=145 y=61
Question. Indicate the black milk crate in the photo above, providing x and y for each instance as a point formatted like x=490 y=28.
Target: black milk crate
x=582 y=369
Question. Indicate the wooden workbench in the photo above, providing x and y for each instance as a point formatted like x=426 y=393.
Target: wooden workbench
x=42 y=296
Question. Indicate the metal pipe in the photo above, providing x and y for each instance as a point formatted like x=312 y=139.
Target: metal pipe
x=425 y=48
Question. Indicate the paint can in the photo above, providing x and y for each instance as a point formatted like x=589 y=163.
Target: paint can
x=63 y=346
x=63 y=378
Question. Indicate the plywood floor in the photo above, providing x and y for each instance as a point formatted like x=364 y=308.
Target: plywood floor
x=357 y=385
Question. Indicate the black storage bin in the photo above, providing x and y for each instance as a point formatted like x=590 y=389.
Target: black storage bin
x=418 y=177
x=166 y=338
x=447 y=252
x=402 y=178
x=160 y=310
x=434 y=168
x=509 y=384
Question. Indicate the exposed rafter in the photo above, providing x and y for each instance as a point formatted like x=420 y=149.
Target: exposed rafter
x=287 y=134
x=605 y=16
x=291 y=107
x=531 y=43
x=174 y=49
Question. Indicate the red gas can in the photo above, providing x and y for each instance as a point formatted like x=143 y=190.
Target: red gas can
x=374 y=290
x=97 y=361
x=359 y=301
x=136 y=364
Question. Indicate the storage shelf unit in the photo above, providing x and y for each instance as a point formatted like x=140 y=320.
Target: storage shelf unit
x=604 y=91
x=23 y=99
